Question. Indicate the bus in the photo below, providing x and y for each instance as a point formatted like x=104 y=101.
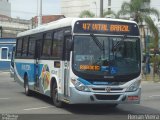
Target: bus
x=81 y=61
x=12 y=63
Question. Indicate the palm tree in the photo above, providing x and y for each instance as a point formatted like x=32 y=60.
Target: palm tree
x=110 y=13
x=90 y=14
x=136 y=10
x=86 y=13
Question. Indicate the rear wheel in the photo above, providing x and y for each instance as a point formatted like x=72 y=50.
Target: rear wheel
x=26 y=86
x=56 y=102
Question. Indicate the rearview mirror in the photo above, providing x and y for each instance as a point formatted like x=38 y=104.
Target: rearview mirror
x=69 y=42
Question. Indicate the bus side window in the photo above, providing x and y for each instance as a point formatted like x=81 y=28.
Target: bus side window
x=47 y=43
x=57 y=45
x=19 y=47
x=31 y=50
x=25 y=46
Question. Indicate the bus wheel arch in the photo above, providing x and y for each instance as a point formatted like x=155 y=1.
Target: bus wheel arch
x=54 y=93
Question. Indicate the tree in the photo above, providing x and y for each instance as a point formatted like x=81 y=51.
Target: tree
x=110 y=13
x=90 y=14
x=137 y=10
x=87 y=14
x=140 y=14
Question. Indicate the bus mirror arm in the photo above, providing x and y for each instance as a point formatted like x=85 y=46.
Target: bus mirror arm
x=69 y=43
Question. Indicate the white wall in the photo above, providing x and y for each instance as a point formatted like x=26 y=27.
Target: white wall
x=5 y=8
x=72 y=8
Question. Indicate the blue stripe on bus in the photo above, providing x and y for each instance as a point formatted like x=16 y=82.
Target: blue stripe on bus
x=85 y=82
x=30 y=68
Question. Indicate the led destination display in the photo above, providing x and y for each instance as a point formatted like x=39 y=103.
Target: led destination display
x=106 y=27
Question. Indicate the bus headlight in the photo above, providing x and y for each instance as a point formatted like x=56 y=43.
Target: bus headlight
x=79 y=86
x=134 y=86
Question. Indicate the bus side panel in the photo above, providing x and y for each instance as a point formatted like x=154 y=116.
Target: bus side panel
x=27 y=67
x=46 y=73
x=24 y=68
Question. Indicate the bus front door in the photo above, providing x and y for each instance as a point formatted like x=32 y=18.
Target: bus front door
x=37 y=56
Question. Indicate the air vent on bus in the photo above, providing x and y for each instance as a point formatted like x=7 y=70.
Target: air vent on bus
x=107 y=97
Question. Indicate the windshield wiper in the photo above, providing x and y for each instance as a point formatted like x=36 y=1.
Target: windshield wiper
x=98 y=43
x=119 y=43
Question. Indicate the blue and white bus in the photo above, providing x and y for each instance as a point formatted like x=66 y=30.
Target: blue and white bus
x=81 y=61
x=12 y=62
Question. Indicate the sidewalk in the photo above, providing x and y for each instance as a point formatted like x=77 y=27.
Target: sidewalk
x=4 y=72
x=150 y=77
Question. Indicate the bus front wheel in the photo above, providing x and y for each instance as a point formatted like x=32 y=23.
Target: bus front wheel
x=55 y=100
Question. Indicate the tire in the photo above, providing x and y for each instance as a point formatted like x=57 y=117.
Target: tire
x=26 y=87
x=55 y=100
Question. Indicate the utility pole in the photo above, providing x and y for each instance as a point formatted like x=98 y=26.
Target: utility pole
x=40 y=12
x=96 y=7
x=101 y=8
x=0 y=31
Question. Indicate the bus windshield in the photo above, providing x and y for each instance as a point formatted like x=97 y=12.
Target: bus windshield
x=106 y=55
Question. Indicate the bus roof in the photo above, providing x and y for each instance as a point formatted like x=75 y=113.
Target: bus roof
x=65 y=22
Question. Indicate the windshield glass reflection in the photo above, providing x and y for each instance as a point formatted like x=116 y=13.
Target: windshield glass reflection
x=103 y=55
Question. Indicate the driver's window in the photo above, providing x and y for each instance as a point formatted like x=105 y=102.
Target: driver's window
x=116 y=48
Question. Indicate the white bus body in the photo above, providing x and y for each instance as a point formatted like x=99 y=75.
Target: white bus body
x=81 y=61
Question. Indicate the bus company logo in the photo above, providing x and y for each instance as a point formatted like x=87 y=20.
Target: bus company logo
x=108 y=89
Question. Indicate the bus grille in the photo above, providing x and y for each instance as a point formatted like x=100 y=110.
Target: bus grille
x=104 y=90
x=107 y=97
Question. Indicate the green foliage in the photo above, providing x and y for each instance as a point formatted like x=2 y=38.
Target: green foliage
x=153 y=58
x=89 y=14
x=140 y=14
x=110 y=13
x=151 y=43
x=134 y=10
x=86 y=14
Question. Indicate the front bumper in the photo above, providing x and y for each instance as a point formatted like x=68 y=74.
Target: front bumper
x=79 y=97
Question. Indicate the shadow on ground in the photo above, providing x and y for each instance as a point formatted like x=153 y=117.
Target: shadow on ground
x=102 y=109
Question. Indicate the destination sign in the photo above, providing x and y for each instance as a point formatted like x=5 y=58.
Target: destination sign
x=106 y=27
x=89 y=67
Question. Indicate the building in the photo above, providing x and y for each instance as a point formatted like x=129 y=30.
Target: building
x=10 y=27
x=5 y=8
x=46 y=19
x=73 y=8
x=6 y=47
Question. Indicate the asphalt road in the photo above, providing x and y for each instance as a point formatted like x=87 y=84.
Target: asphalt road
x=38 y=107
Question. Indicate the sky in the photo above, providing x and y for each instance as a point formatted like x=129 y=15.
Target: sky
x=26 y=9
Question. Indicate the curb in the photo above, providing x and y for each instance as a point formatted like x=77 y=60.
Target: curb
x=4 y=72
x=150 y=81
